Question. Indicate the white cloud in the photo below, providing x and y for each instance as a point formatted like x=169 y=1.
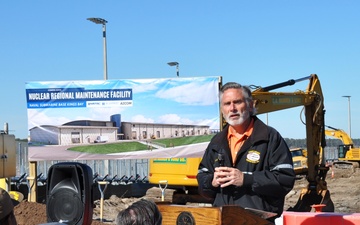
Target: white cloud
x=142 y=85
x=37 y=118
x=213 y=123
x=103 y=113
x=141 y=119
x=191 y=94
x=170 y=119
x=63 y=115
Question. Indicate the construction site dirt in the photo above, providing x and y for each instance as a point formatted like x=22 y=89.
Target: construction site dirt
x=343 y=185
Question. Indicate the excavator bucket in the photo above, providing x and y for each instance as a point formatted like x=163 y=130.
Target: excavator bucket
x=309 y=198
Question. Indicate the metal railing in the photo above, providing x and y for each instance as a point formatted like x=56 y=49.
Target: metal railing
x=113 y=169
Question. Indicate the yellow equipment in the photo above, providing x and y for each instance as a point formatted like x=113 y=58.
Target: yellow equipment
x=182 y=173
x=7 y=159
x=313 y=101
x=299 y=156
x=348 y=155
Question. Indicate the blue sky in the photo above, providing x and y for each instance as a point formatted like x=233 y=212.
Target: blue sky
x=250 y=42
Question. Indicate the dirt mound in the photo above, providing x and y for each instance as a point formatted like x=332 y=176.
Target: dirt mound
x=31 y=213
x=342 y=184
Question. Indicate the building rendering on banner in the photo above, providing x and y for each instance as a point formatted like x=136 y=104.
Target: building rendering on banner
x=91 y=131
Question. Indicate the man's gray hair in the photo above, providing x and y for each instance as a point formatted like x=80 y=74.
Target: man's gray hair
x=245 y=90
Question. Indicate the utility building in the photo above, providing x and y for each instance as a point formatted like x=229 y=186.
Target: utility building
x=89 y=131
x=139 y=131
x=67 y=135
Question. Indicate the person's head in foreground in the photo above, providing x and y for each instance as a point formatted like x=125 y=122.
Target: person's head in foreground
x=142 y=212
x=7 y=216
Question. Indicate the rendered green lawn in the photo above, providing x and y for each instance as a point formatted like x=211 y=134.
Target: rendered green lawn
x=127 y=146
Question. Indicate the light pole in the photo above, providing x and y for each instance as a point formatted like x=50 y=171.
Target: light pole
x=177 y=67
x=103 y=22
x=349 y=115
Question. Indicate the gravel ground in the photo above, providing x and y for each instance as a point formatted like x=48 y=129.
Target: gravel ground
x=343 y=186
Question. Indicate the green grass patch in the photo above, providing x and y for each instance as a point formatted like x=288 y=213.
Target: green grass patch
x=172 y=142
x=127 y=146
x=110 y=148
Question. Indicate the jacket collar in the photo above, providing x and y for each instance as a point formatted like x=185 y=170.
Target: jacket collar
x=260 y=132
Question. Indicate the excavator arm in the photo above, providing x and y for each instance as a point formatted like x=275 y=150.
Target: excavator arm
x=339 y=134
x=265 y=101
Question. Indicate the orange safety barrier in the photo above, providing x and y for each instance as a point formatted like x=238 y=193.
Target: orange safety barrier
x=323 y=218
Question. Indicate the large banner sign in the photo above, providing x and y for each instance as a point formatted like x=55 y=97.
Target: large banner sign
x=64 y=114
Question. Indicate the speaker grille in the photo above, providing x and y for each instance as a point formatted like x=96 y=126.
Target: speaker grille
x=65 y=205
x=69 y=194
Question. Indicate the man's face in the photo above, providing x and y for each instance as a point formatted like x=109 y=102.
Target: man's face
x=234 y=108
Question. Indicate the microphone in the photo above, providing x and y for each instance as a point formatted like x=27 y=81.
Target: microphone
x=221 y=163
x=221 y=159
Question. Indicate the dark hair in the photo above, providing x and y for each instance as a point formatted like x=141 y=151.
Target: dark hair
x=142 y=212
x=9 y=219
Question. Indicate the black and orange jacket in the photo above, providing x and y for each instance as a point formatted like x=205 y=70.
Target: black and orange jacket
x=266 y=162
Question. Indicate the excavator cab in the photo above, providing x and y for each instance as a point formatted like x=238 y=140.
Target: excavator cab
x=342 y=150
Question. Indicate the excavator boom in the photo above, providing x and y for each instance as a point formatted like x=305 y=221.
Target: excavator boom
x=339 y=134
x=313 y=102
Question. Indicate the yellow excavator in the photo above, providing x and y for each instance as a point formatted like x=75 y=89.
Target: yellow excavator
x=313 y=102
x=348 y=155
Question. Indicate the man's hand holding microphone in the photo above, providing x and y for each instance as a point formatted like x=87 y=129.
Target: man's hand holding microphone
x=225 y=176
